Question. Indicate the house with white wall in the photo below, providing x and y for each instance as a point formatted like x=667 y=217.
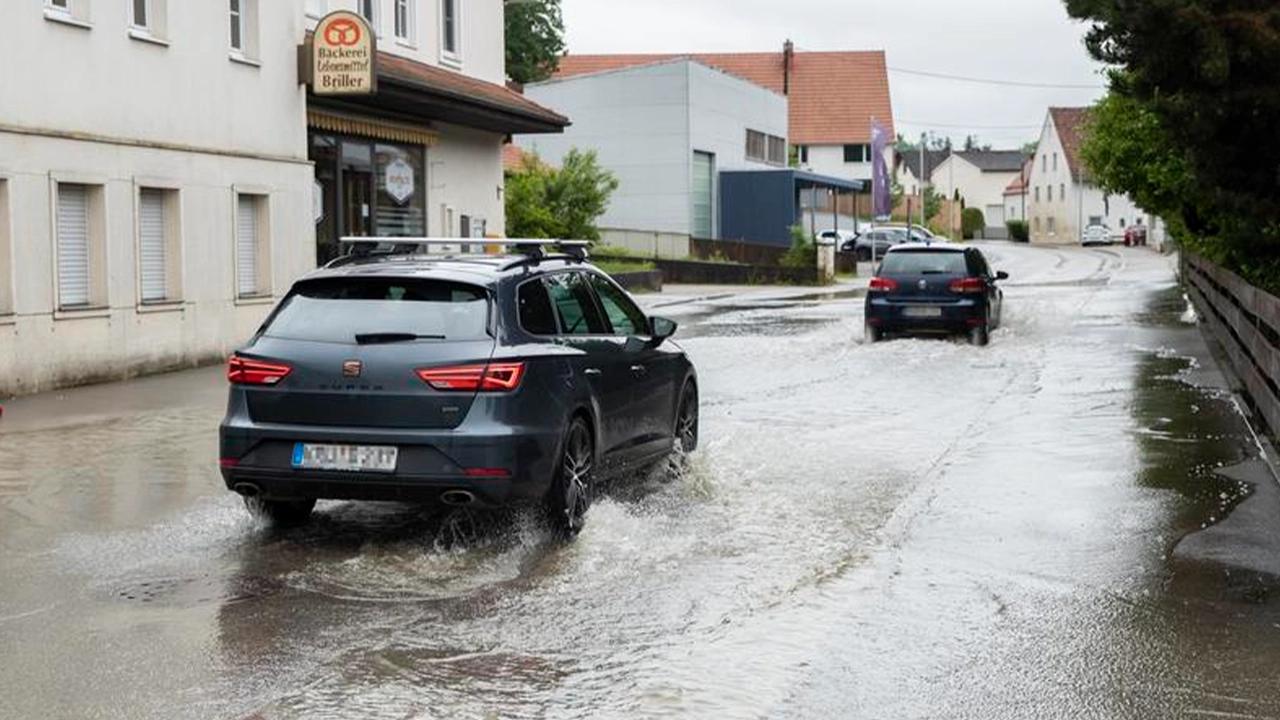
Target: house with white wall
x=1015 y=195
x=166 y=173
x=980 y=177
x=1062 y=199
x=913 y=176
x=834 y=97
x=667 y=130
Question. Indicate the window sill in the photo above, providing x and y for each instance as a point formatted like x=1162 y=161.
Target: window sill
x=145 y=36
x=66 y=18
x=161 y=306
x=82 y=313
x=406 y=43
x=452 y=62
x=241 y=58
x=249 y=300
x=8 y=319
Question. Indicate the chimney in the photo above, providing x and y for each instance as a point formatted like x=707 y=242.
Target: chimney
x=788 y=55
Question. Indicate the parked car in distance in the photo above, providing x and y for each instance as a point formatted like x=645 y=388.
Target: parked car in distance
x=877 y=240
x=938 y=288
x=1096 y=235
x=474 y=380
x=917 y=233
x=839 y=237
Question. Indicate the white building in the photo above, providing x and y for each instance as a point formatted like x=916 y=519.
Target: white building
x=666 y=130
x=1061 y=199
x=160 y=161
x=980 y=177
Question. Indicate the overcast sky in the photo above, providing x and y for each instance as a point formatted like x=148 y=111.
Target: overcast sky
x=1018 y=40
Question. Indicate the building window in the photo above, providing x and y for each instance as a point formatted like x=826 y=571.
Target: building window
x=1037 y=193
x=1044 y=163
x=702 y=225
x=777 y=150
x=244 y=28
x=1055 y=162
x=1052 y=223
x=1048 y=189
x=803 y=153
x=1062 y=192
x=6 y=253
x=404 y=13
x=71 y=12
x=1121 y=223
x=757 y=145
x=857 y=153
x=159 y=246
x=317 y=8
x=80 y=246
x=141 y=13
x=369 y=11
x=1037 y=223
x=450 y=28
x=253 y=272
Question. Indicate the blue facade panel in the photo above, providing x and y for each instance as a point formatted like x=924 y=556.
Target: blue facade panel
x=758 y=206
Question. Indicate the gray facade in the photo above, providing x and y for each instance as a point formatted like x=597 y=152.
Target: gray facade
x=654 y=127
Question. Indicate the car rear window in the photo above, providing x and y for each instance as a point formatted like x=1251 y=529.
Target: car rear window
x=339 y=309
x=919 y=262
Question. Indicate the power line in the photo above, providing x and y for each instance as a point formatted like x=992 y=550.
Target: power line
x=991 y=81
x=922 y=124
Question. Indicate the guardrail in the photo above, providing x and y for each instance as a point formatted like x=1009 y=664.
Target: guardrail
x=1245 y=320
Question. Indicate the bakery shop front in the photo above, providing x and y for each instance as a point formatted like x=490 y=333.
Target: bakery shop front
x=404 y=148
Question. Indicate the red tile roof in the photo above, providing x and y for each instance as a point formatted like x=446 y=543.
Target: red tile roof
x=1018 y=186
x=833 y=95
x=1070 y=124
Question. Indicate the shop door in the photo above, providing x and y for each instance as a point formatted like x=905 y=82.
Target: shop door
x=357 y=190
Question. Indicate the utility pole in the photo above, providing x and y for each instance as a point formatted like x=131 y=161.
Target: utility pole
x=923 y=178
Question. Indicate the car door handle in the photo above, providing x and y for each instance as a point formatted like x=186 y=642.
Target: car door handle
x=593 y=372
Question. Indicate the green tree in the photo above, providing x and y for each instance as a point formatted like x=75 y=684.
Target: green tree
x=1199 y=76
x=564 y=203
x=535 y=39
x=972 y=221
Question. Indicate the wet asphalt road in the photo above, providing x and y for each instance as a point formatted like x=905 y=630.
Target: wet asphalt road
x=915 y=529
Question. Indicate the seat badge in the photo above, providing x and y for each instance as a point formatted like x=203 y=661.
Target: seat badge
x=352 y=368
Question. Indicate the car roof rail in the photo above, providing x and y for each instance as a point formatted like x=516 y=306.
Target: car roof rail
x=533 y=250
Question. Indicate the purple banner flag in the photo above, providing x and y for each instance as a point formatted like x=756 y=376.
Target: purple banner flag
x=881 y=194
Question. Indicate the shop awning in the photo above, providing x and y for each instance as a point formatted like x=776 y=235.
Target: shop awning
x=415 y=91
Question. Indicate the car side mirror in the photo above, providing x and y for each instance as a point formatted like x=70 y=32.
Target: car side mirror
x=1002 y=275
x=661 y=328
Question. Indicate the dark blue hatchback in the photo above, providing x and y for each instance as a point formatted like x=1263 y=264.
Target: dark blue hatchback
x=934 y=289
x=484 y=381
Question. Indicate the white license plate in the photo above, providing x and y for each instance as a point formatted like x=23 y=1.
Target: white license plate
x=346 y=458
x=928 y=311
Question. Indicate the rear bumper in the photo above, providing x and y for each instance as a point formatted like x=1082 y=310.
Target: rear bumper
x=955 y=315
x=430 y=463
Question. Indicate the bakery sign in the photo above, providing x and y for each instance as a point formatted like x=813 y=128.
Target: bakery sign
x=343 y=56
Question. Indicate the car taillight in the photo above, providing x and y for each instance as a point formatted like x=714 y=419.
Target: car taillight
x=968 y=286
x=495 y=377
x=879 y=284
x=246 y=371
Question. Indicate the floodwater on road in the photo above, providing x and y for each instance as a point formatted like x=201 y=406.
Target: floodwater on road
x=912 y=529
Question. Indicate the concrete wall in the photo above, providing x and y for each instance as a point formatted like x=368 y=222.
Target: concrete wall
x=482 y=49
x=646 y=122
x=829 y=160
x=673 y=246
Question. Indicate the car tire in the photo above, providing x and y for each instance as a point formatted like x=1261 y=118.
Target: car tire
x=686 y=427
x=979 y=336
x=570 y=493
x=873 y=334
x=281 y=513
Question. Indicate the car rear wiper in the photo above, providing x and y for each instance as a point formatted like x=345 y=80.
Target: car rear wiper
x=388 y=338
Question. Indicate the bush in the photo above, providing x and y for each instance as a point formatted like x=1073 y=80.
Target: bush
x=1018 y=230
x=803 y=252
x=564 y=203
x=972 y=222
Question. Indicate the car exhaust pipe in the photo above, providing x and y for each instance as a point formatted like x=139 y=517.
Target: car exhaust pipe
x=457 y=498
x=248 y=490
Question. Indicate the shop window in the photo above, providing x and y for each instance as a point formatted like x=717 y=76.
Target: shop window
x=80 y=246
x=252 y=246
x=369 y=11
x=159 y=246
x=6 y=252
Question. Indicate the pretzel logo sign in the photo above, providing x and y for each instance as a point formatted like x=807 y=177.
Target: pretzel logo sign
x=343 y=33
x=343 y=56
